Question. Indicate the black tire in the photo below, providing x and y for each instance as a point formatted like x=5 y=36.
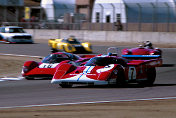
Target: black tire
x=1 y=37
x=151 y=76
x=66 y=85
x=29 y=78
x=120 y=82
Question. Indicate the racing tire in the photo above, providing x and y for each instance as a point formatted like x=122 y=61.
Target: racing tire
x=151 y=75
x=66 y=85
x=120 y=82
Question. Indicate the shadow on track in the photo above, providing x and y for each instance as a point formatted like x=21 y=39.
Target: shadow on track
x=126 y=86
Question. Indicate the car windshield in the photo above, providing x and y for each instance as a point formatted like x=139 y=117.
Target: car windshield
x=55 y=58
x=16 y=30
x=71 y=41
x=100 y=61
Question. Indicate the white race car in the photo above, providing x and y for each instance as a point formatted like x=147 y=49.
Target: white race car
x=14 y=34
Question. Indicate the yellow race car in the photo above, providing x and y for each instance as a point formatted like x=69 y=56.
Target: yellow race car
x=70 y=45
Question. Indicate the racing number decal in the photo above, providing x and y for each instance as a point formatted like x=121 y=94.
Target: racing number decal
x=132 y=73
x=45 y=65
x=106 y=68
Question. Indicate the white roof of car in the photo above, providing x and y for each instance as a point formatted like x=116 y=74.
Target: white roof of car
x=11 y=27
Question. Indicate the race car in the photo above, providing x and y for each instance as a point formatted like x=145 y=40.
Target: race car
x=71 y=45
x=107 y=70
x=46 y=68
x=145 y=49
x=14 y=34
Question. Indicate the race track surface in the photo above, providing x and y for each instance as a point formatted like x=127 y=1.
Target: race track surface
x=36 y=92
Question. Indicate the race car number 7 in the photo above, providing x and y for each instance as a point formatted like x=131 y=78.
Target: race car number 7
x=132 y=73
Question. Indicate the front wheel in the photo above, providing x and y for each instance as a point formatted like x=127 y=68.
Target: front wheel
x=151 y=75
x=120 y=81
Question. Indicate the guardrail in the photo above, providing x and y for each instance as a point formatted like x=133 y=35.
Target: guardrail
x=106 y=36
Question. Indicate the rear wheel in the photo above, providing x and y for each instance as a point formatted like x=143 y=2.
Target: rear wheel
x=151 y=75
x=120 y=81
x=65 y=85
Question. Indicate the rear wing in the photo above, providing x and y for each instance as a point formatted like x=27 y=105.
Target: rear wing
x=151 y=60
x=142 y=57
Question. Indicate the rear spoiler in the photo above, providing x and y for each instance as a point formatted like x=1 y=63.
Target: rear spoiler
x=142 y=56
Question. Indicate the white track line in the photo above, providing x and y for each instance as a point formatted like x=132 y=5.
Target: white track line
x=20 y=55
x=11 y=78
x=91 y=102
x=17 y=55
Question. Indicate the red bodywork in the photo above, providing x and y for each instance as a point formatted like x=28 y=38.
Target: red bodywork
x=141 y=51
x=118 y=71
x=32 y=69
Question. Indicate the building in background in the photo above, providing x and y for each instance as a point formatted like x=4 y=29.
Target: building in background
x=134 y=15
x=133 y=11
x=85 y=7
x=16 y=10
x=108 y=11
x=10 y=10
x=55 y=10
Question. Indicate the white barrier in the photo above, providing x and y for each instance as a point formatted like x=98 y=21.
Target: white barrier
x=109 y=36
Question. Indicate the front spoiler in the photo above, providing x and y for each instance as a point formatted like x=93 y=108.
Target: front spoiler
x=92 y=82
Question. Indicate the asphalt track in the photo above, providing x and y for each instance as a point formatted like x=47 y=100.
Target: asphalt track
x=39 y=92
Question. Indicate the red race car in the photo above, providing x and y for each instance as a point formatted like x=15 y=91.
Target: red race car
x=107 y=70
x=46 y=68
x=145 y=49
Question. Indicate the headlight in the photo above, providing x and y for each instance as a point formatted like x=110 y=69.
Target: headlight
x=86 y=45
x=25 y=69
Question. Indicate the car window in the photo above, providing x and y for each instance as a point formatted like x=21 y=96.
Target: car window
x=71 y=41
x=16 y=30
x=104 y=61
x=73 y=56
x=64 y=55
x=2 y=30
x=100 y=61
x=55 y=58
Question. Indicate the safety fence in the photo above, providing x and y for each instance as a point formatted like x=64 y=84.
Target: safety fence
x=157 y=27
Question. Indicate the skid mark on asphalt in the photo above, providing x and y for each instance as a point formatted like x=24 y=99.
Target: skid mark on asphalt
x=10 y=79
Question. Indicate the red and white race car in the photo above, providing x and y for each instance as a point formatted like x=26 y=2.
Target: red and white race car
x=107 y=70
x=145 y=49
x=47 y=67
